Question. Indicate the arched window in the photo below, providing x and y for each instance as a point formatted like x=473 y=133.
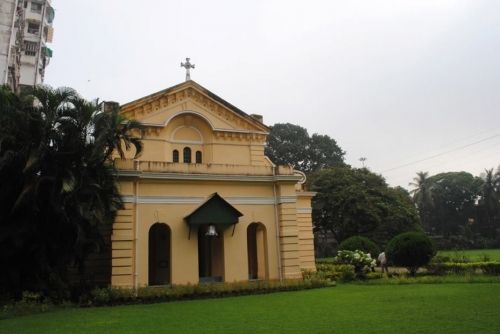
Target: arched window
x=175 y=156
x=198 y=157
x=187 y=154
x=257 y=255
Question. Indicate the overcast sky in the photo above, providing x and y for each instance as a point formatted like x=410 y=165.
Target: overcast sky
x=412 y=85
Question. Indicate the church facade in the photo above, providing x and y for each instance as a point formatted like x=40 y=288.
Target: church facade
x=203 y=203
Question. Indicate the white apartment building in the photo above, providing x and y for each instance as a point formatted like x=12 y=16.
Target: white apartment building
x=25 y=31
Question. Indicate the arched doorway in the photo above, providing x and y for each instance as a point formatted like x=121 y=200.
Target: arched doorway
x=210 y=256
x=257 y=251
x=159 y=254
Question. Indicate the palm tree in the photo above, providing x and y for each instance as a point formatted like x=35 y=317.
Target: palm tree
x=58 y=182
x=490 y=199
x=422 y=197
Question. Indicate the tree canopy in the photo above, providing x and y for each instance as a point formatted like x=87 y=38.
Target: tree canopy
x=447 y=201
x=459 y=207
x=291 y=144
x=57 y=183
x=354 y=201
x=454 y=195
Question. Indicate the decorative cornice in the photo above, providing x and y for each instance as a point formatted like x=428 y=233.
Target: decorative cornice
x=242 y=200
x=198 y=94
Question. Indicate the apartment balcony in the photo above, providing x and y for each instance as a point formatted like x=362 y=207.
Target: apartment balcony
x=33 y=15
x=160 y=169
x=32 y=37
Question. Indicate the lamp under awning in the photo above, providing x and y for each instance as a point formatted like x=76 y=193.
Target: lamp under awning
x=214 y=211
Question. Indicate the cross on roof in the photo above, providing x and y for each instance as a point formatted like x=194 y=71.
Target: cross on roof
x=187 y=65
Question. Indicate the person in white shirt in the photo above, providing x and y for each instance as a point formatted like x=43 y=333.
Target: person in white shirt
x=382 y=259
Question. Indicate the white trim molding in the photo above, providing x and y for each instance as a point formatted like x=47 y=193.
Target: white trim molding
x=209 y=177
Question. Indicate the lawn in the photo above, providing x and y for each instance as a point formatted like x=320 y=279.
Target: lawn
x=349 y=308
x=474 y=254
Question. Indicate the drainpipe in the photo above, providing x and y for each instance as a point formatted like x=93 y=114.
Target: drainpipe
x=276 y=224
x=136 y=274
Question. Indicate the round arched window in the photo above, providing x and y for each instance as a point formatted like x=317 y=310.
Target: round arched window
x=187 y=154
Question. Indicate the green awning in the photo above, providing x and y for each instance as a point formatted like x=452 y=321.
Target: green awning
x=215 y=210
x=47 y=51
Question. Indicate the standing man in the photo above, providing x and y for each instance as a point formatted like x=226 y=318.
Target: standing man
x=383 y=263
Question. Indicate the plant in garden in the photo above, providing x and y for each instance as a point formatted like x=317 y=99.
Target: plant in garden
x=361 y=261
x=358 y=242
x=411 y=250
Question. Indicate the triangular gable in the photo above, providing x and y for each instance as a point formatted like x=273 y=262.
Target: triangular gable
x=150 y=104
x=215 y=210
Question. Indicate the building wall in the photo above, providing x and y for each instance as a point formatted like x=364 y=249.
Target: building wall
x=305 y=231
x=32 y=59
x=7 y=15
x=169 y=203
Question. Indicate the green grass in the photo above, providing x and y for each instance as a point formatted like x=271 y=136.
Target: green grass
x=473 y=254
x=351 y=308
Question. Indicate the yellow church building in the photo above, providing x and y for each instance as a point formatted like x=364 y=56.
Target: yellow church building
x=203 y=203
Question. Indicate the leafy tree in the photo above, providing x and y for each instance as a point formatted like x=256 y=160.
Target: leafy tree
x=399 y=215
x=411 y=250
x=357 y=202
x=454 y=197
x=57 y=184
x=291 y=144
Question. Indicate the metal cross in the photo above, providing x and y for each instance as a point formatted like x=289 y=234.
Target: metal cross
x=187 y=65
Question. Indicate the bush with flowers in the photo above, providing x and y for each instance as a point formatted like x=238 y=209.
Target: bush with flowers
x=362 y=262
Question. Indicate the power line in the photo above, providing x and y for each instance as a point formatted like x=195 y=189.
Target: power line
x=404 y=179
x=440 y=154
x=455 y=141
x=457 y=160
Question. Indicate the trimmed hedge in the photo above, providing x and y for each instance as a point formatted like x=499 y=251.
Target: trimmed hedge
x=331 y=272
x=488 y=268
x=146 y=295
x=411 y=250
x=360 y=243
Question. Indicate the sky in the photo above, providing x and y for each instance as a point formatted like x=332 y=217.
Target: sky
x=410 y=85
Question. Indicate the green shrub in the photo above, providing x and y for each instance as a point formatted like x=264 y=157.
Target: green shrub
x=490 y=268
x=117 y=296
x=440 y=259
x=336 y=272
x=360 y=243
x=446 y=268
x=411 y=250
x=459 y=257
x=375 y=275
x=30 y=303
x=361 y=261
